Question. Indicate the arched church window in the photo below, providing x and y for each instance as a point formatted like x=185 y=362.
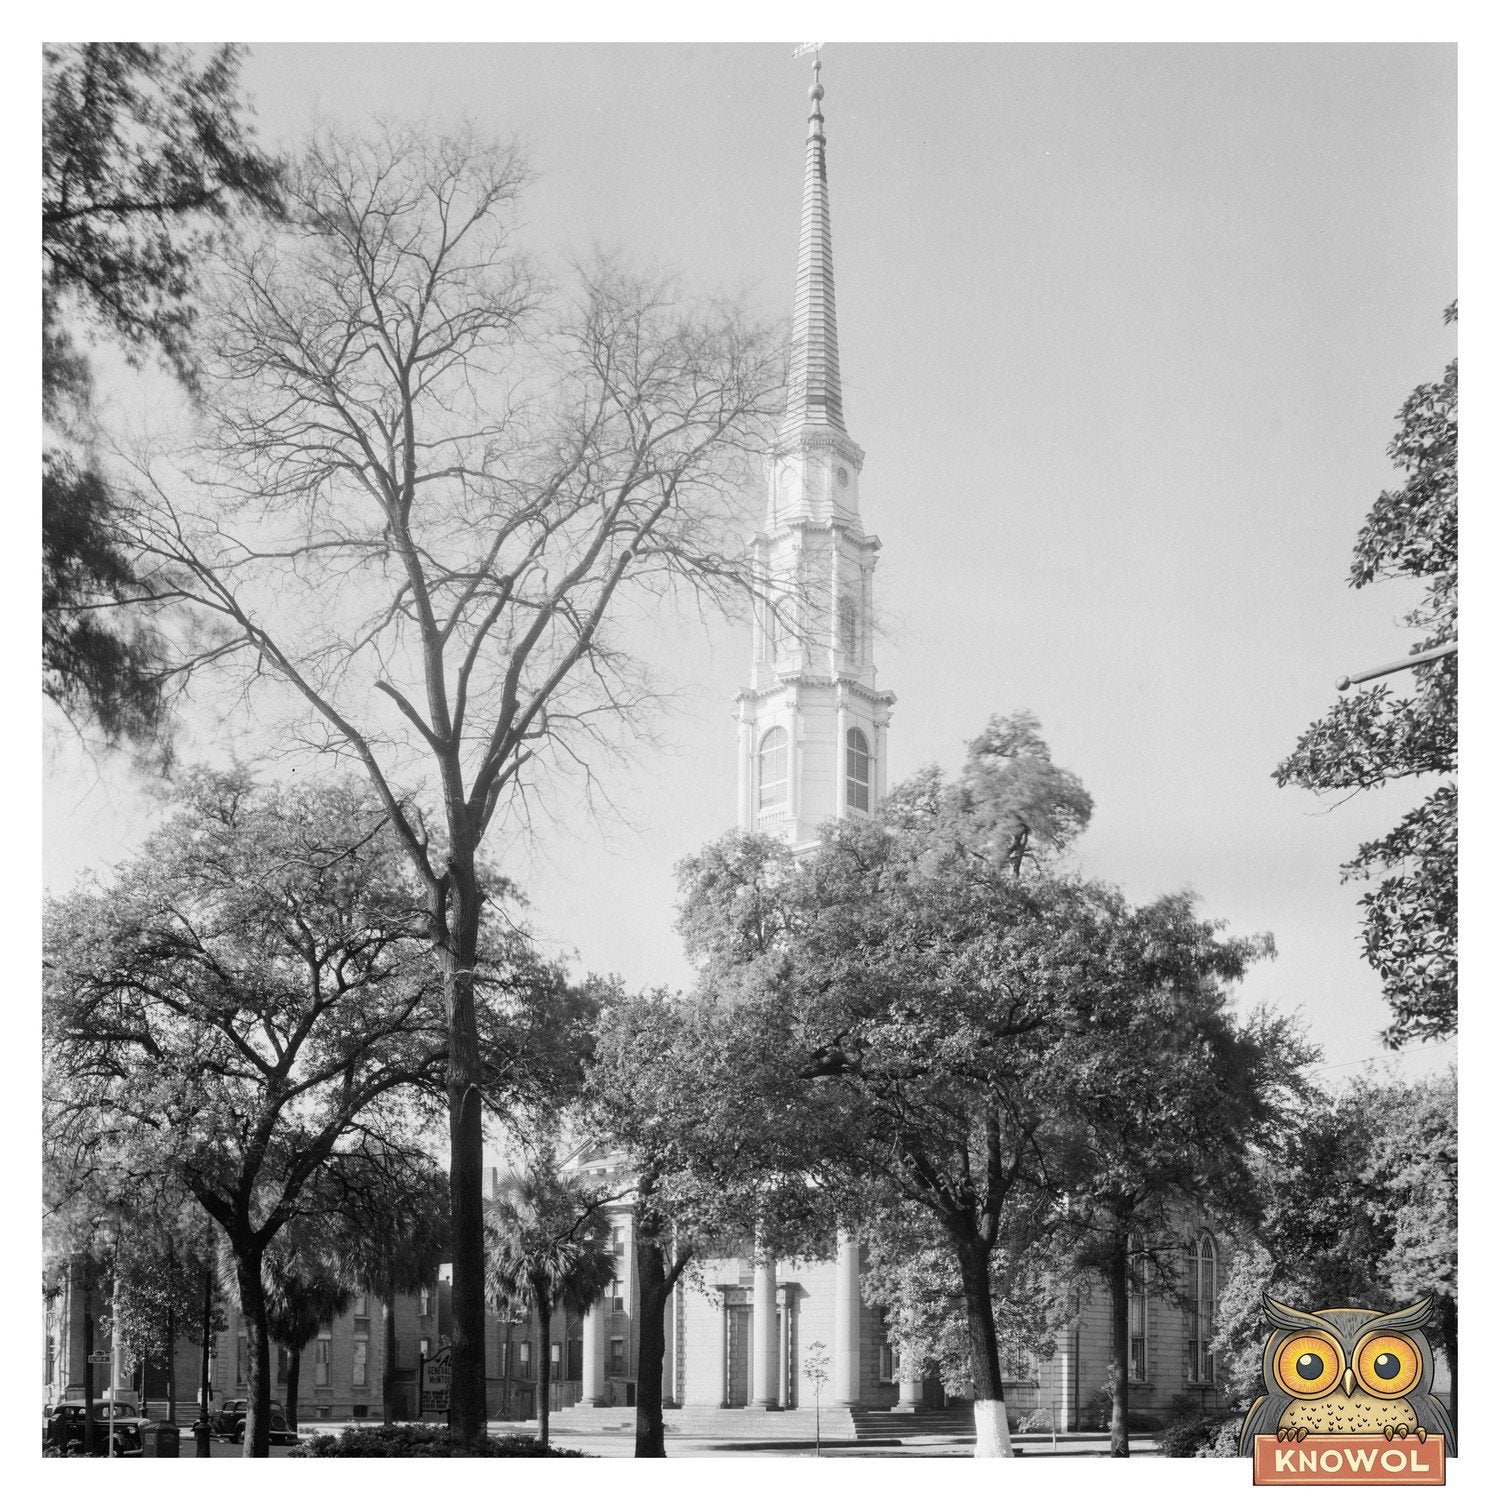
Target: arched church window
x=1203 y=1263
x=1137 y=1310
x=771 y=769
x=848 y=628
x=857 y=771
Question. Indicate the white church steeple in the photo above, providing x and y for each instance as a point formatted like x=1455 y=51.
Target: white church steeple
x=812 y=722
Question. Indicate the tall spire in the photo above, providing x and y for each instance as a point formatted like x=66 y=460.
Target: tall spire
x=814 y=394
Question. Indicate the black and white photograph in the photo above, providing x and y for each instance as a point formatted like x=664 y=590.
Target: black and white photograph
x=749 y=752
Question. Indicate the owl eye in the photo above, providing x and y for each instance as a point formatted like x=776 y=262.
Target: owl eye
x=1308 y=1365
x=1387 y=1364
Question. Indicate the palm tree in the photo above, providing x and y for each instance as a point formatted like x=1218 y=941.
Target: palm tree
x=306 y=1287
x=548 y=1248
x=397 y=1252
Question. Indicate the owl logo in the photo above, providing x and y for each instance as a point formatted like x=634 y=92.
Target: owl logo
x=1347 y=1370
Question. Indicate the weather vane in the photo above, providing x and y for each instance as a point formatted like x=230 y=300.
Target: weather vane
x=814 y=47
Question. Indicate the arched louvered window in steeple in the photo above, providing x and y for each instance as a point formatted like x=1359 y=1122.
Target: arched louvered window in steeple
x=771 y=779
x=857 y=771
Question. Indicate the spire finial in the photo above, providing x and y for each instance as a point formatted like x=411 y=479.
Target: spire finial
x=814 y=394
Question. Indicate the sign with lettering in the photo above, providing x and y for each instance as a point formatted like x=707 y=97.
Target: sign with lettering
x=437 y=1377
x=1331 y=1458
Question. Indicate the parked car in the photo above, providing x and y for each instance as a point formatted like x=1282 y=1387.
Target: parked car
x=229 y=1423
x=65 y=1425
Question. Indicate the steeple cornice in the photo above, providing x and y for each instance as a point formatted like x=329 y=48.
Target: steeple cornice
x=815 y=395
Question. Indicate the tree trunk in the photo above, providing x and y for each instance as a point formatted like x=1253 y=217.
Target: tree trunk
x=88 y=1349
x=466 y=1412
x=388 y=1375
x=171 y=1364
x=654 y=1288
x=1118 y=1276
x=208 y=1329
x=258 y=1347
x=171 y=1336
x=543 y=1367
x=293 y=1385
x=1448 y=1323
x=991 y=1430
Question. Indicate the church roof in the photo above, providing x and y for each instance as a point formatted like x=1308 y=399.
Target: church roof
x=814 y=393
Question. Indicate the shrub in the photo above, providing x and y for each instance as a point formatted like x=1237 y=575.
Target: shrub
x=1038 y=1419
x=1096 y=1414
x=418 y=1440
x=1192 y=1438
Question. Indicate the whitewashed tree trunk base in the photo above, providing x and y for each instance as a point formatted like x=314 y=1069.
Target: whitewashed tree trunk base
x=991 y=1431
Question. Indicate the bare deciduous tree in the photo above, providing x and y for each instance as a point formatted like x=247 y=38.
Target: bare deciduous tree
x=436 y=485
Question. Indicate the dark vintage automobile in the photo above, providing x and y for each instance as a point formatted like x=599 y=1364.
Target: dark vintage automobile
x=64 y=1425
x=228 y=1423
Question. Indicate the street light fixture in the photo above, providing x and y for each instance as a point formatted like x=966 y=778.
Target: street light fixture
x=1448 y=648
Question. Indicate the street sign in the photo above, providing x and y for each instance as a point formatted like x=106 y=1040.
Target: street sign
x=437 y=1377
x=102 y=1358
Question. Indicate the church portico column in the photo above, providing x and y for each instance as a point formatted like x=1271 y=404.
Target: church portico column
x=593 y=1355
x=784 y=1350
x=846 y=1322
x=765 y=1388
x=719 y=1350
x=911 y=1382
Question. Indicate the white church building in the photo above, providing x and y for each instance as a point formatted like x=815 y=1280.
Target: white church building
x=813 y=726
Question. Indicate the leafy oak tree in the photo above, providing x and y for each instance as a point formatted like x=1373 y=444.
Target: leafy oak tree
x=918 y=974
x=1170 y=1098
x=440 y=490
x=147 y=156
x=1385 y=734
x=253 y=1007
x=718 y=1149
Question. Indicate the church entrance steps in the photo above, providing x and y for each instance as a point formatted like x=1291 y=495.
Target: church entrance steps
x=750 y=1423
x=952 y=1421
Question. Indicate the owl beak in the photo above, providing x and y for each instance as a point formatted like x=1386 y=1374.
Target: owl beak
x=1348 y=1382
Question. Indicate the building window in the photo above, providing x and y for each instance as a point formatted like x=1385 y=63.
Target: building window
x=424 y=1347
x=1136 y=1312
x=857 y=770
x=323 y=1356
x=575 y=1359
x=361 y=1307
x=617 y=1295
x=887 y=1363
x=424 y=1302
x=848 y=628
x=51 y=1359
x=523 y=1360
x=361 y=1362
x=771 y=773
x=281 y=1363
x=1203 y=1282
x=617 y=1356
x=241 y=1359
x=556 y=1361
